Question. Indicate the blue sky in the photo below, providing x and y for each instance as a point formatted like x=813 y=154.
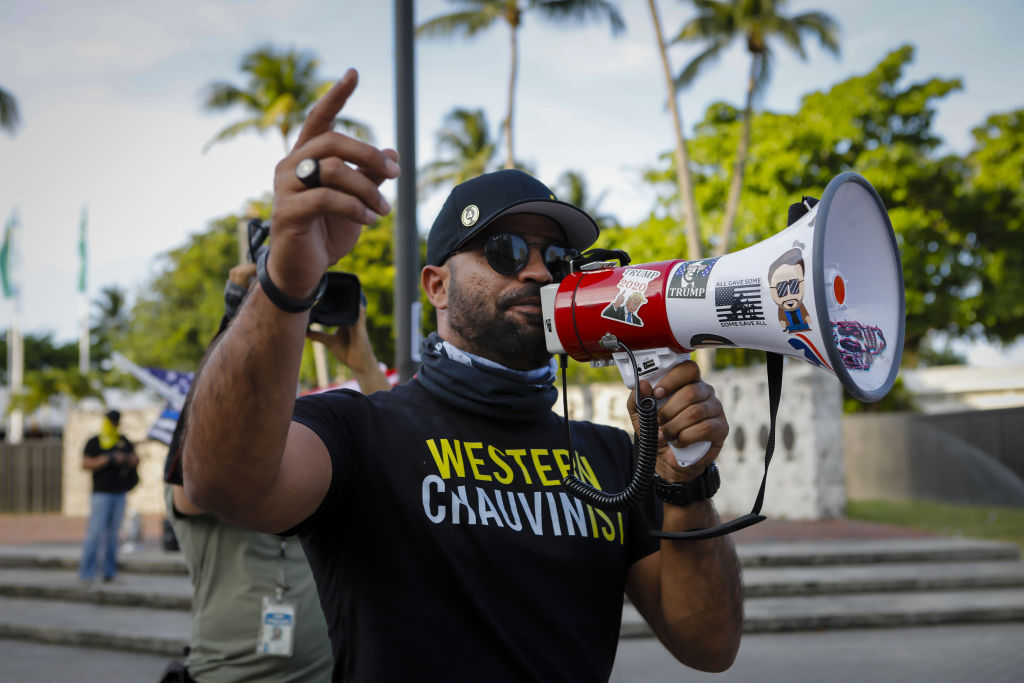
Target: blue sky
x=109 y=96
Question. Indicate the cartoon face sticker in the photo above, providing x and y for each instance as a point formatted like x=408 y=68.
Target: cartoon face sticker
x=787 y=286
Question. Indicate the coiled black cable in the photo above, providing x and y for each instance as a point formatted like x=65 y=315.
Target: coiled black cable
x=646 y=454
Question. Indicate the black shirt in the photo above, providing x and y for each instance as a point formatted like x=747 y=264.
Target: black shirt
x=446 y=548
x=110 y=478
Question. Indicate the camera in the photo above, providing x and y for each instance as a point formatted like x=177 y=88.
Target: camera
x=339 y=306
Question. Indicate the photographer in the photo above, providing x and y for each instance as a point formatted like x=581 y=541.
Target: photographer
x=238 y=575
x=442 y=544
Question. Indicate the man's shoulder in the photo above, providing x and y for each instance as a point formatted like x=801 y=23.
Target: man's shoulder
x=352 y=402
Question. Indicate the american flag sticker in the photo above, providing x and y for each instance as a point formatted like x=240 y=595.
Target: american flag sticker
x=738 y=303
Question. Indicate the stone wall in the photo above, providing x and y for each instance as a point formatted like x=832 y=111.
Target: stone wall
x=806 y=478
x=147 y=497
x=805 y=481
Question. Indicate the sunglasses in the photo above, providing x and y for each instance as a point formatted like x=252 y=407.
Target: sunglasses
x=787 y=286
x=508 y=253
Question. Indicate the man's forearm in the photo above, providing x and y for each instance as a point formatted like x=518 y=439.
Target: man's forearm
x=242 y=406
x=701 y=589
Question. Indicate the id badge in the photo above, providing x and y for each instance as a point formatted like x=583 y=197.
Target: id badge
x=277 y=628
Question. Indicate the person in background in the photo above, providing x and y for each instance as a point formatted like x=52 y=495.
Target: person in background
x=111 y=458
x=255 y=612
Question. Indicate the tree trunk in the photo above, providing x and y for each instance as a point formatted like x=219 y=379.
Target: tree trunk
x=510 y=160
x=732 y=203
x=684 y=179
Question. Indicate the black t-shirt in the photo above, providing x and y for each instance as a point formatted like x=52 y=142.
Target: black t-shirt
x=446 y=548
x=110 y=478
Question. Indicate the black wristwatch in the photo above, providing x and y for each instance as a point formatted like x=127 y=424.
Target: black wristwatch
x=701 y=488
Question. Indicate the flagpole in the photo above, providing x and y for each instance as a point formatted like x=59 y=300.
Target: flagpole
x=83 y=297
x=15 y=351
x=16 y=365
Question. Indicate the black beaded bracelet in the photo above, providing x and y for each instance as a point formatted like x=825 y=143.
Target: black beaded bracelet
x=277 y=297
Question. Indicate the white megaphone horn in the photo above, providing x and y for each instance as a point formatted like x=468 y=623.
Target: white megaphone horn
x=828 y=290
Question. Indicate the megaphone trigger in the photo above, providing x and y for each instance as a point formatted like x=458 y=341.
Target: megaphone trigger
x=653 y=365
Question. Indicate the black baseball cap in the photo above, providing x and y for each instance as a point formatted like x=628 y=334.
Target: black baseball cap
x=473 y=205
x=114 y=417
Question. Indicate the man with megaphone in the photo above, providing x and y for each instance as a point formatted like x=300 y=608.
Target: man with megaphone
x=443 y=543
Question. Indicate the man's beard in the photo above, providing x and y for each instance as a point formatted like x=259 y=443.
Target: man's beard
x=491 y=332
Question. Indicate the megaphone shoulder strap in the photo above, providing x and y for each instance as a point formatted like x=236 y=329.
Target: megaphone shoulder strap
x=754 y=516
x=774 y=396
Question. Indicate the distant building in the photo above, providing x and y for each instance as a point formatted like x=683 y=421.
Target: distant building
x=953 y=388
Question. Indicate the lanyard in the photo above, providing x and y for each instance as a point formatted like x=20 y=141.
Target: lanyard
x=281 y=583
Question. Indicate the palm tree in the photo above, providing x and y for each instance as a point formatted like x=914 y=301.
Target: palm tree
x=684 y=177
x=282 y=87
x=9 y=116
x=42 y=386
x=111 y=320
x=466 y=141
x=717 y=24
x=572 y=188
x=482 y=14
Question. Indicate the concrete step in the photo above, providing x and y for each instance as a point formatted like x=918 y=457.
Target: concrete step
x=133 y=629
x=64 y=556
x=865 y=610
x=790 y=587
x=165 y=631
x=173 y=591
x=849 y=551
x=871 y=551
x=761 y=582
x=160 y=591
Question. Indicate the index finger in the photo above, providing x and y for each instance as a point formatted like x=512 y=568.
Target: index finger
x=679 y=376
x=321 y=117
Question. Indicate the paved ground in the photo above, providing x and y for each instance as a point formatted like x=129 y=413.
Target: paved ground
x=937 y=654
x=954 y=654
x=991 y=653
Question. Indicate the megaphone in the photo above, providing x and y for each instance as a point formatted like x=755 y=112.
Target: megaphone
x=828 y=289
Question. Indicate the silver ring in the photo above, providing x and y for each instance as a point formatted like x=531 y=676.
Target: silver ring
x=308 y=171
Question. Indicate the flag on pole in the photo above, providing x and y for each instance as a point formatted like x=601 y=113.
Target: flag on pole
x=82 y=262
x=163 y=429
x=171 y=385
x=7 y=256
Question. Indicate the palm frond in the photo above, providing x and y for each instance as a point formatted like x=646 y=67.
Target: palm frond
x=234 y=129
x=221 y=95
x=10 y=117
x=356 y=129
x=279 y=111
x=458 y=24
x=698 y=64
x=821 y=25
x=580 y=11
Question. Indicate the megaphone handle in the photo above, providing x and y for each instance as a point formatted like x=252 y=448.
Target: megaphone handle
x=662 y=360
x=687 y=455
